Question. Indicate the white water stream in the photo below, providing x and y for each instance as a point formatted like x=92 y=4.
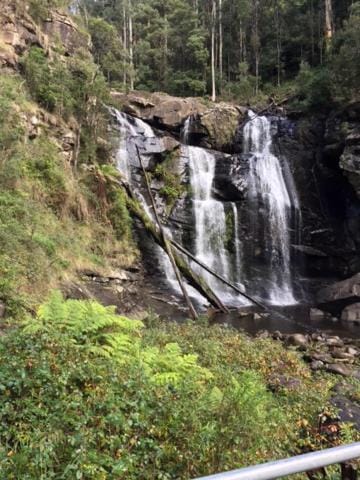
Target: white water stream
x=270 y=198
x=268 y=193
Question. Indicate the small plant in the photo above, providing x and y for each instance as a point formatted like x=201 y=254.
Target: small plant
x=172 y=189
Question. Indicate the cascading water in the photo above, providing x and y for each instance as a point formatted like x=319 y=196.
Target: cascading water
x=218 y=242
x=185 y=132
x=210 y=223
x=238 y=246
x=131 y=130
x=271 y=205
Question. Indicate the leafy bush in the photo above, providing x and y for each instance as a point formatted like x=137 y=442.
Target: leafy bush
x=344 y=61
x=314 y=87
x=43 y=81
x=39 y=9
x=80 y=82
x=88 y=394
x=166 y=172
x=119 y=215
x=107 y=49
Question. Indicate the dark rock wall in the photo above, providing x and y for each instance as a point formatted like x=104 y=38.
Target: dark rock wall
x=319 y=155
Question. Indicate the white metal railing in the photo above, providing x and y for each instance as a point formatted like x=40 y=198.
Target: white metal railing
x=289 y=466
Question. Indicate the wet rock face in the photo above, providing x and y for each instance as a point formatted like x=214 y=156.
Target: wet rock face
x=330 y=212
x=325 y=238
x=342 y=141
x=230 y=177
x=351 y=313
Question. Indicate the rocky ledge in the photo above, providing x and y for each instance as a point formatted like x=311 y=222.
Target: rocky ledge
x=18 y=32
x=214 y=125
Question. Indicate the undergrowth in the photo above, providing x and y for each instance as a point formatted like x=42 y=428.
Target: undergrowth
x=53 y=221
x=90 y=395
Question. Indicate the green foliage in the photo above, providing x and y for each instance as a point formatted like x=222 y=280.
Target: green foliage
x=314 y=87
x=39 y=9
x=80 y=82
x=172 y=46
x=344 y=61
x=172 y=189
x=11 y=130
x=230 y=229
x=43 y=81
x=107 y=49
x=51 y=222
x=119 y=215
x=88 y=394
x=243 y=89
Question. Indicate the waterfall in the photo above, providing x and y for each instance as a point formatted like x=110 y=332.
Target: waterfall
x=185 y=132
x=272 y=198
x=271 y=204
x=130 y=129
x=210 y=223
x=238 y=266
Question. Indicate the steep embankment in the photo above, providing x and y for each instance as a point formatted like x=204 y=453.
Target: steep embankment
x=58 y=216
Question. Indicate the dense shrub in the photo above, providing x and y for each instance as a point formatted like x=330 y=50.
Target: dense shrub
x=87 y=394
x=314 y=87
x=345 y=61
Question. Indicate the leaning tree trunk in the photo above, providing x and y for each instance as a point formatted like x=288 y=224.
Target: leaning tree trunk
x=193 y=279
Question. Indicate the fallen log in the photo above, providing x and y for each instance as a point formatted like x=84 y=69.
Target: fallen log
x=167 y=246
x=216 y=275
x=192 y=278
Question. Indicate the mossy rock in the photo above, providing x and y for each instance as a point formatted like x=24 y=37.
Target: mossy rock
x=221 y=123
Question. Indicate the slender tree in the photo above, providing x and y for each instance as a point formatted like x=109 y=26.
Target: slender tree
x=221 y=42
x=213 y=34
x=329 y=23
x=125 y=36
x=255 y=40
x=131 y=47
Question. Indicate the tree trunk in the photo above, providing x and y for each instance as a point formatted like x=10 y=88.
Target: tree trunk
x=193 y=279
x=167 y=246
x=220 y=44
x=213 y=32
x=131 y=48
x=278 y=42
x=165 y=54
x=124 y=43
x=241 y=41
x=312 y=29
x=329 y=23
x=256 y=42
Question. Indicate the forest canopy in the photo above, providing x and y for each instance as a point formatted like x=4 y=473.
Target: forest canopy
x=236 y=48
